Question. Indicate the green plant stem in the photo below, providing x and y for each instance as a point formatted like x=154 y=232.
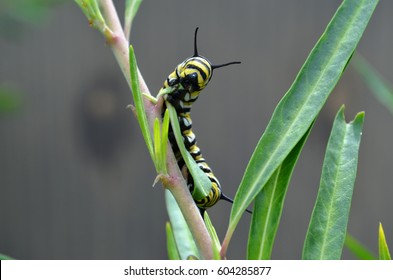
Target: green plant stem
x=176 y=184
x=175 y=181
x=190 y=212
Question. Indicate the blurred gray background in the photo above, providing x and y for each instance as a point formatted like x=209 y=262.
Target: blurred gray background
x=75 y=175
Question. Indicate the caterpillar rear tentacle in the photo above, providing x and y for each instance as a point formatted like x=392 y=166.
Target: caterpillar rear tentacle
x=181 y=89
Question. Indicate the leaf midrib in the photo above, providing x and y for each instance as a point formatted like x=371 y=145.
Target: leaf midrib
x=269 y=212
x=329 y=217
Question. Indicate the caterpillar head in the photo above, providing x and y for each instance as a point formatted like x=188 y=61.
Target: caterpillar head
x=193 y=74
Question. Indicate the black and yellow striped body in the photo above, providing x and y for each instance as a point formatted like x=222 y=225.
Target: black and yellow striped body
x=182 y=88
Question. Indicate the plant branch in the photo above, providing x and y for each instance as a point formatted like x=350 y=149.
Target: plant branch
x=119 y=43
x=176 y=185
x=174 y=182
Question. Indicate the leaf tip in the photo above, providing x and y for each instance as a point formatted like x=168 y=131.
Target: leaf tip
x=384 y=253
x=360 y=116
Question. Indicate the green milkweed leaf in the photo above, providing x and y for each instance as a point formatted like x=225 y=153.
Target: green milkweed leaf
x=157 y=144
x=164 y=140
x=139 y=106
x=303 y=101
x=173 y=254
x=384 y=253
x=213 y=234
x=184 y=241
x=201 y=181
x=268 y=207
x=328 y=224
x=131 y=8
x=160 y=143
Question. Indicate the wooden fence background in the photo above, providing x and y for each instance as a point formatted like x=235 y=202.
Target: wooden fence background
x=75 y=175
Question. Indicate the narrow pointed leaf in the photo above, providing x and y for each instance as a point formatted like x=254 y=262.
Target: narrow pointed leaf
x=268 y=207
x=173 y=254
x=164 y=139
x=183 y=237
x=381 y=88
x=201 y=181
x=157 y=145
x=131 y=8
x=384 y=253
x=358 y=249
x=213 y=235
x=303 y=101
x=328 y=224
x=138 y=101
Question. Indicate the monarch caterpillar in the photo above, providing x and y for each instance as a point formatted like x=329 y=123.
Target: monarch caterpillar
x=181 y=89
